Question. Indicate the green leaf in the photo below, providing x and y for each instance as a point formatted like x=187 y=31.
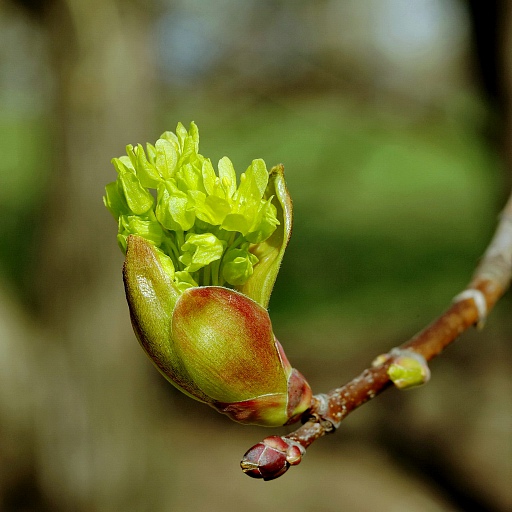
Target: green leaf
x=166 y=158
x=151 y=152
x=218 y=208
x=236 y=222
x=134 y=225
x=139 y=200
x=247 y=198
x=209 y=176
x=127 y=162
x=184 y=280
x=122 y=242
x=172 y=138
x=163 y=211
x=131 y=156
x=181 y=134
x=193 y=132
x=264 y=224
x=166 y=262
x=210 y=209
x=188 y=154
x=174 y=210
x=227 y=176
x=146 y=171
x=200 y=250
x=181 y=207
x=258 y=172
x=115 y=201
x=237 y=266
x=190 y=177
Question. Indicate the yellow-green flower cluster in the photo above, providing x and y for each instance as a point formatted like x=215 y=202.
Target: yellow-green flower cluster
x=189 y=234
x=202 y=224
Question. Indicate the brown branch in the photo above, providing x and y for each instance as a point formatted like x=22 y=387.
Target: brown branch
x=273 y=456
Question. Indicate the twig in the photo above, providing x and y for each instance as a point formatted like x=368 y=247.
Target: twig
x=273 y=456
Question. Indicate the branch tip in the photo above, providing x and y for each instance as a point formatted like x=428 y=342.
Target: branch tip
x=271 y=458
x=404 y=366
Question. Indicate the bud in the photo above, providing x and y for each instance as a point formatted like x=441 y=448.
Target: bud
x=408 y=369
x=271 y=458
x=214 y=344
x=202 y=256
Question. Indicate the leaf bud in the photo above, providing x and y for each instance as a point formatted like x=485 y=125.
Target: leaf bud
x=213 y=343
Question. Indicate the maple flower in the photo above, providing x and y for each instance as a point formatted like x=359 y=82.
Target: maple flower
x=202 y=255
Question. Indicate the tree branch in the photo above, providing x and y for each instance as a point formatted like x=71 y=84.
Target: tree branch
x=273 y=456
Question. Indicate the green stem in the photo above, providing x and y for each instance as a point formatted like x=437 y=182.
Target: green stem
x=206 y=276
x=172 y=250
x=215 y=274
x=236 y=242
x=180 y=240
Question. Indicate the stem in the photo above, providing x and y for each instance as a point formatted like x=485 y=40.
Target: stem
x=172 y=250
x=491 y=279
x=206 y=275
x=236 y=242
x=215 y=271
x=232 y=243
x=180 y=240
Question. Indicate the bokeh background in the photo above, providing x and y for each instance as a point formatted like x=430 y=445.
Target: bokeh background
x=392 y=118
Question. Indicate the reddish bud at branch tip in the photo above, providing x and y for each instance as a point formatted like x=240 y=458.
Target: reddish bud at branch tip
x=271 y=458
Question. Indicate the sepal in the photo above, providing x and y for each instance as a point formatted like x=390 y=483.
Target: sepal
x=270 y=252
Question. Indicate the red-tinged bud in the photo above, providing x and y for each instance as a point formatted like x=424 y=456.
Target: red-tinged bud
x=271 y=458
x=226 y=344
x=213 y=343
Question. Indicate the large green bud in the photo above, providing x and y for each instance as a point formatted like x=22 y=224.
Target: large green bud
x=201 y=261
x=213 y=343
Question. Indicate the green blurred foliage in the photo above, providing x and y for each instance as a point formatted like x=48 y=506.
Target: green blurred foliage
x=24 y=176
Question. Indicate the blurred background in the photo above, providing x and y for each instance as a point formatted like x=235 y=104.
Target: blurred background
x=392 y=118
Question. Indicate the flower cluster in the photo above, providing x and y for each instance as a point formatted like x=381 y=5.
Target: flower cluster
x=202 y=223
x=202 y=256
